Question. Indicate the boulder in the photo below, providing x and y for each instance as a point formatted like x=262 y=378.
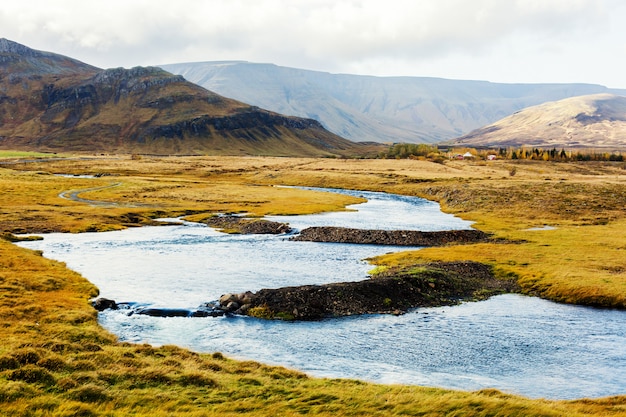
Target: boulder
x=227 y=298
x=164 y=312
x=232 y=306
x=245 y=297
x=102 y=304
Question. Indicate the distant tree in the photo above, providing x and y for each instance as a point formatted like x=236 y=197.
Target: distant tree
x=410 y=150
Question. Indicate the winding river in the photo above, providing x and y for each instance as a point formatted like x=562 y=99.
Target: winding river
x=517 y=344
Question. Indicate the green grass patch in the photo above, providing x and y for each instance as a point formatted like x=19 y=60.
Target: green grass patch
x=4 y=154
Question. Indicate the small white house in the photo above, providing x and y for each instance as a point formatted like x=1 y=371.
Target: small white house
x=467 y=155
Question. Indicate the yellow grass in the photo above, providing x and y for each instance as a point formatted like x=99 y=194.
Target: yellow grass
x=32 y=202
x=55 y=359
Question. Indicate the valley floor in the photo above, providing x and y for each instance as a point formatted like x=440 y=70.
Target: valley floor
x=561 y=230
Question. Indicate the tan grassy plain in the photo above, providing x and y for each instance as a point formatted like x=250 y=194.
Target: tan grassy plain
x=55 y=360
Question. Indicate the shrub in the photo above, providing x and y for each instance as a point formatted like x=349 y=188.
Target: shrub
x=212 y=366
x=250 y=381
x=84 y=365
x=282 y=315
x=284 y=373
x=197 y=379
x=153 y=377
x=33 y=375
x=61 y=347
x=43 y=404
x=67 y=383
x=8 y=362
x=76 y=410
x=173 y=363
x=52 y=363
x=13 y=390
x=27 y=356
x=90 y=393
x=261 y=312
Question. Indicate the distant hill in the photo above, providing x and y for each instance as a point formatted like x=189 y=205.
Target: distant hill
x=381 y=109
x=595 y=121
x=49 y=102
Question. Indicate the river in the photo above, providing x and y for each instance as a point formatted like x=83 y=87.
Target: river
x=517 y=344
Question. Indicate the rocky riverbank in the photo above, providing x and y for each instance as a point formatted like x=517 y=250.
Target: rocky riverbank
x=390 y=237
x=394 y=292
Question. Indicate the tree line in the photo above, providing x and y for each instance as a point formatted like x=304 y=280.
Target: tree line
x=559 y=155
x=432 y=152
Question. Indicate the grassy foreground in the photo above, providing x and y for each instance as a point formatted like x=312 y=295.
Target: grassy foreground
x=56 y=361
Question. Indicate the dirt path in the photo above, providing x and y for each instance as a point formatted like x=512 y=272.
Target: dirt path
x=74 y=195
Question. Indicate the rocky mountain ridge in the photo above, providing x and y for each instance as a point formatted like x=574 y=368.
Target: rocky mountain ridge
x=49 y=102
x=17 y=60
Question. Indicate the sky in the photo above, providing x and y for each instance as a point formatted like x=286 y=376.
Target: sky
x=510 y=41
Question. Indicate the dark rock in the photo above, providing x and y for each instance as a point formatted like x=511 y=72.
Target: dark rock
x=164 y=312
x=246 y=226
x=207 y=310
x=232 y=306
x=390 y=237
x=207 y=313
x=102 y=304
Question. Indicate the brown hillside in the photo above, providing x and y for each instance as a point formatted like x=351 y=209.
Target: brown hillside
x=595 y=121
x=53 y=103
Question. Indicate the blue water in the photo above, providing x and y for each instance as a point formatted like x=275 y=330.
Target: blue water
x=517 y=344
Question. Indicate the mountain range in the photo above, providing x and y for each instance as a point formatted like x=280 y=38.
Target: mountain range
x=49 y=102
x=381 y=109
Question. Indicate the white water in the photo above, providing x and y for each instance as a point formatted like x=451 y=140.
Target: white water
x=517 y=344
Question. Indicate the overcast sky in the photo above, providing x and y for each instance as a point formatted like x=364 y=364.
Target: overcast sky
x=527 y=41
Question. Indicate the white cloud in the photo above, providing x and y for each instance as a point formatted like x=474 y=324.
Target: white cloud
x=498 y=40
